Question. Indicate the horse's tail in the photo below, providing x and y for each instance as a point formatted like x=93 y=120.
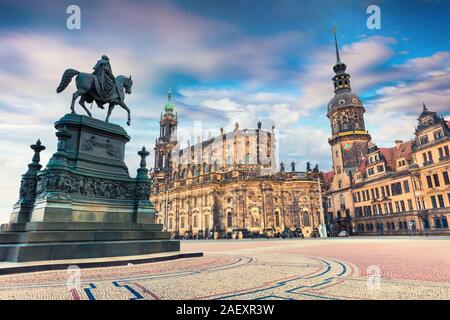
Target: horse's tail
x=66 y=78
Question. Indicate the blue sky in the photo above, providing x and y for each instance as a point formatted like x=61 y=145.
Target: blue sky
x=225 y=61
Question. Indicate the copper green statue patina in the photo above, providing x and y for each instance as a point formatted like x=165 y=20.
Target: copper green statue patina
x=100 y=86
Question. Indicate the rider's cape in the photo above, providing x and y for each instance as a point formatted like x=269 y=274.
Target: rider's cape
x=103 y=81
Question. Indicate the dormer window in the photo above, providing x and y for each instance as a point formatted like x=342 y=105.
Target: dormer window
x=424 y=140
x=438 y=135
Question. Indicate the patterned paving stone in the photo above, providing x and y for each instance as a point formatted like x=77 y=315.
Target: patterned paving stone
x=355 y=268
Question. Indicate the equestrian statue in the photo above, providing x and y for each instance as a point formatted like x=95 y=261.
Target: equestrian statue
x=100 y=86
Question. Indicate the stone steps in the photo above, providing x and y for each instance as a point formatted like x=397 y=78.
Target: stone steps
x=82 y=250
x=21 y=242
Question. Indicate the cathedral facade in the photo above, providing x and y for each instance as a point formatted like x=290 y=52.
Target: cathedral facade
x=404 y=189
x=228 y=186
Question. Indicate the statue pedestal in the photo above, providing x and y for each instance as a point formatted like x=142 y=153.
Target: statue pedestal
x=84 y=204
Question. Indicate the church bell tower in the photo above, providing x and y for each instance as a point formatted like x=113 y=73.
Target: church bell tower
x=349 y=136
x=167 y=137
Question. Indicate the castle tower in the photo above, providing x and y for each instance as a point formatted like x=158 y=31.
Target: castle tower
x=167 y=136
x=349 y=136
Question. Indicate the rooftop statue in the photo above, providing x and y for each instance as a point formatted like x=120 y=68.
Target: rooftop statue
x=100 y=86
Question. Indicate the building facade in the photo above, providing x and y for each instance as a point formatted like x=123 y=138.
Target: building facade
x=229 y=187
x=385 y=191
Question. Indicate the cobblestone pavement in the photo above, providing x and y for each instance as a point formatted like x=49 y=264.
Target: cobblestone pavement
x=351 y=268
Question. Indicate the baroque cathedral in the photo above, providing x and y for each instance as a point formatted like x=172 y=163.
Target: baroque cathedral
x=404 y=189
x=228 y=186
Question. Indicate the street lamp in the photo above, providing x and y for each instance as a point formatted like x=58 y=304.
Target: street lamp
x=322 y=215
x=381 y=223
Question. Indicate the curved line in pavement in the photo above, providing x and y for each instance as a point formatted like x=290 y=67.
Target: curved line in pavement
x=278 y=284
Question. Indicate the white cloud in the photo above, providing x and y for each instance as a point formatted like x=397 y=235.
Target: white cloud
x=424 y=79
x=386 y=127
x=361 y=57
x=221 y=104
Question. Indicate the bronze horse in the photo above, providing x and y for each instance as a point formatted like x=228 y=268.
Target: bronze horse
x=86 y=89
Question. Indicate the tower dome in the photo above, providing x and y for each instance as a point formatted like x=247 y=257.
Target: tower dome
x=343 y=92
x=169 y=107
x=344 y=99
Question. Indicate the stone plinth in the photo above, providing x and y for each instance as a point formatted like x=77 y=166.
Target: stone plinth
x=84 y=204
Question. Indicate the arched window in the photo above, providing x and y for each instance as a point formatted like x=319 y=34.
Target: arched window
x=342 y=200
x=277 y=219
x=340 y=184
x=296 y=219
x=306 y=219
x=206 y=220
x=229 y=220
x=195 y=221
x=182 y=223
x=206 y=200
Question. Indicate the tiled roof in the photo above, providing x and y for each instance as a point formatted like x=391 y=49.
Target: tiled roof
x=328 y=176
x=391 y=155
